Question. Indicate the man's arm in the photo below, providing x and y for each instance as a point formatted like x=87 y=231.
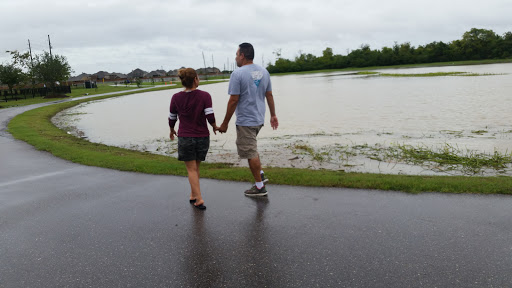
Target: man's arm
x=232 y=103
x=272 y=108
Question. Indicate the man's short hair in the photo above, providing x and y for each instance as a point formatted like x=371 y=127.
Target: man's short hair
x=247 y=50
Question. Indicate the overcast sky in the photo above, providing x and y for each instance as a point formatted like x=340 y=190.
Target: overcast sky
x=119 y=36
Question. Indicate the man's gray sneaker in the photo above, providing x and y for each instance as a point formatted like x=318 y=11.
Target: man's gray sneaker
x=263 y=179
x=255 y=192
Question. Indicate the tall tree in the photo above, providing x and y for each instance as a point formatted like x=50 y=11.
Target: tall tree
x=11 y=75
x=475 y=44
x=50 y=69
x=479 y=43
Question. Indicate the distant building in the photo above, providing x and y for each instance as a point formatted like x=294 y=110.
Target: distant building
x=114 y=76
x=174 y=72
x=137 y=73
x=81 y=77
x=208 y=71
x=100 y=75
x=156 y=74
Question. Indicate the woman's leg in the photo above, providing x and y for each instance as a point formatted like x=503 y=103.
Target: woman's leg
x=193 y=179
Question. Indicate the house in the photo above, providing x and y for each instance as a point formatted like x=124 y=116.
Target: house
x=100 y=75
x=114 y=76
x=174 y=72
x=137 y=73
x=156 y=74
x=208 y=71
x=81 y=77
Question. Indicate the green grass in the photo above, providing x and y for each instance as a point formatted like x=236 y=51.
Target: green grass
x=367 y=73
x=102 y=88
x=75 y=92
x=35 y=128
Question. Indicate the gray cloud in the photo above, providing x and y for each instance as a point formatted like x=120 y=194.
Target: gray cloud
x=123 y=35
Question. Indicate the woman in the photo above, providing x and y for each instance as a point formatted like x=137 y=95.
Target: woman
x=193 y=108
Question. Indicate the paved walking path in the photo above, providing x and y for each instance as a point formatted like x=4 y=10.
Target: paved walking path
x=68 y=225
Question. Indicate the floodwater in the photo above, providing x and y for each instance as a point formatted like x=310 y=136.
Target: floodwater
x=337 y=121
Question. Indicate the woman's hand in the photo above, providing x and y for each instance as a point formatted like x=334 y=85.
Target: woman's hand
x=172 y=134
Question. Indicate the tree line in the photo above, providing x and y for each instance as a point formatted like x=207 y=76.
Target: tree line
x=27 y=71
x=476 y=44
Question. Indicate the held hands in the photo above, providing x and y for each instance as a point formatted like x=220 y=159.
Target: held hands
x=223 y=128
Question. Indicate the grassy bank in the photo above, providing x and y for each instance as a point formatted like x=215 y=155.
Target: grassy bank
x=102 y=89
x=35 y=128
x=436 y=64
x=75 y=92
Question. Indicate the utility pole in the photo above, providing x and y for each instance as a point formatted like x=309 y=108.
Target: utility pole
x=30 y=50
x=213 y=63
x=31 y=66
x=205 y=71
x=50 y=44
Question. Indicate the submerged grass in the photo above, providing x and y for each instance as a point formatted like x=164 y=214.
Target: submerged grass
x=443 y=159
x=449 y=158
x=305 y=149
x=432 y=74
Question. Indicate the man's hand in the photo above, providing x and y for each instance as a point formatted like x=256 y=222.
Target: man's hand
x=274 y=122
x=172 y=134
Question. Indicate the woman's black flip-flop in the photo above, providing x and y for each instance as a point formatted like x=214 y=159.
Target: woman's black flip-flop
x=200 y=206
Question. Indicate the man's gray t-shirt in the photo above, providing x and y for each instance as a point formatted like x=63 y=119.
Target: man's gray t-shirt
x=250 y=82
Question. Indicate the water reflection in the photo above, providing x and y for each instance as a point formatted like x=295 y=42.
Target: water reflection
x=258 y=252
x=333 y=114
x=201 y=267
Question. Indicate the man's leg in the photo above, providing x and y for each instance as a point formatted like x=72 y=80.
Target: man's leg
x=255 y=166
x=258 y=189
x=247 y=147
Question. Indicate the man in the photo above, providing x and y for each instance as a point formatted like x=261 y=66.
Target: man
x=249 y=86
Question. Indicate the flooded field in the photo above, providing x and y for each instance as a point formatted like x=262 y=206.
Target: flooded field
x=341 y=121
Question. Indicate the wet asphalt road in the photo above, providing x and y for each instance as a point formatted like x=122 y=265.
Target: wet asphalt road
x=68 y=225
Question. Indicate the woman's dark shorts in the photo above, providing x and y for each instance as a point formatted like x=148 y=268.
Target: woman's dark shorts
x=193 y=148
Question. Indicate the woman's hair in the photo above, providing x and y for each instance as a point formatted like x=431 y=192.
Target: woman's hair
x=187 y=76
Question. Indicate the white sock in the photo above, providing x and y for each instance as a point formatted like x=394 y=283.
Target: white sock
x=259 y=185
